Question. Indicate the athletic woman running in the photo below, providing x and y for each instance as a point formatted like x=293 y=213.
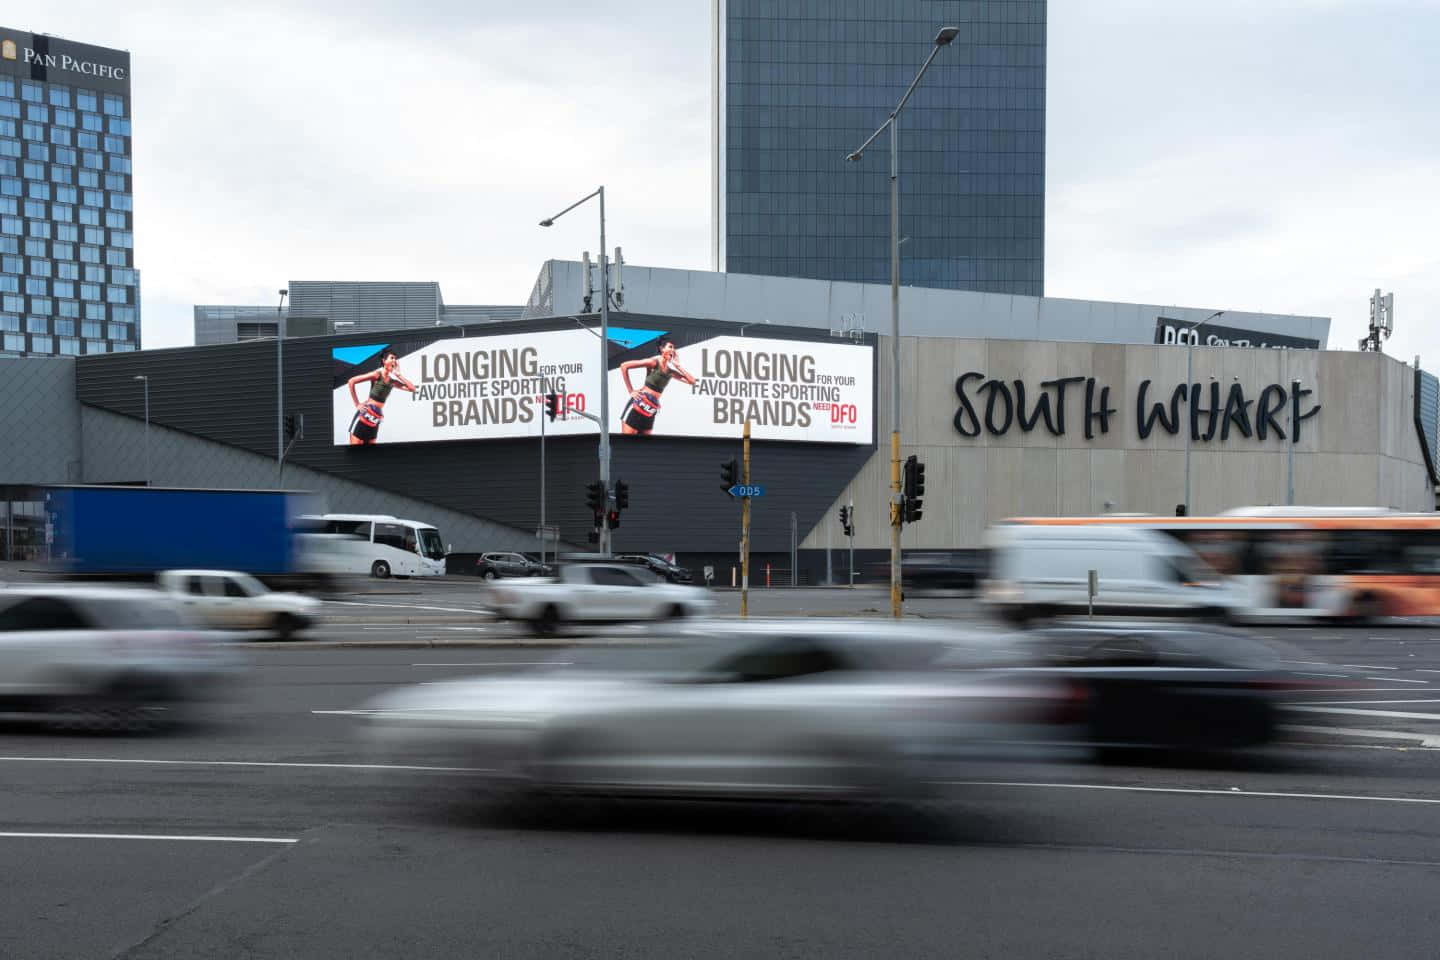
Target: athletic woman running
x=638 y=418
x=366 y=423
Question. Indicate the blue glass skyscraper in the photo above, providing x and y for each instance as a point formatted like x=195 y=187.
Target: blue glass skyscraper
x=68 y=283
x=798 y=84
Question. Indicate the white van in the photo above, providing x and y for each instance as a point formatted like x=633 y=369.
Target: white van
x=1039 y=570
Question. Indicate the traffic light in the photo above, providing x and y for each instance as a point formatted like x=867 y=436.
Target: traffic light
x=552 y=405
x=729 y=474
x=612 y=519
x=622 y=495
x=294 y=427
x=595 y=499
x=914 y=488
x=847 y=520
x=1179 y=509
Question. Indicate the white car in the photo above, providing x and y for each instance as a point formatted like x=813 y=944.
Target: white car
x=595 y=593
x=108 y=658
x=237 y=601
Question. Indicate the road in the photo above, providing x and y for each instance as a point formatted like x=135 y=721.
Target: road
x=273 y=832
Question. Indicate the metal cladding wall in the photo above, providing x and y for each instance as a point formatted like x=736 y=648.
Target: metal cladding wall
x=227 y=394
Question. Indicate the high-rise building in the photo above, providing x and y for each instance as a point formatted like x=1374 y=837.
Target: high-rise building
x=68 y=281
x=798 y=85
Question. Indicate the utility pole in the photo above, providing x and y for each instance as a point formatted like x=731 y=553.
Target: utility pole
x=745 y=532
x=850 y=534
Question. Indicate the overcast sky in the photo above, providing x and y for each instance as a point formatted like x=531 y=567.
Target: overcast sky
x=1272 y=155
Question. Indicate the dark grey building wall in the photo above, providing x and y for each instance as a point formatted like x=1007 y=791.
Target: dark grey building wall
x=227 y=394
x=804 y=82
x=40 y=440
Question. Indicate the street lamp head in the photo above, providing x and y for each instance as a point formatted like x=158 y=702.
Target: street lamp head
x=140 y=376
x=284 y=292
x=946 y=35
x=854 y=157
x=547 y=223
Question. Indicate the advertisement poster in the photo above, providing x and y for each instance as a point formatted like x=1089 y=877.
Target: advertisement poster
x=661 y=383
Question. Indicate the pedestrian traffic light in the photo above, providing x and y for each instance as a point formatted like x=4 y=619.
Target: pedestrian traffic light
x=622 y=495
x=612 y=519
x=595 y=499
x=1179 y=509
x=914 y=488
x=729 y=474
x=552 y=405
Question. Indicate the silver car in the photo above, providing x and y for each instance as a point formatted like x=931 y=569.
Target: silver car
x=792 y=709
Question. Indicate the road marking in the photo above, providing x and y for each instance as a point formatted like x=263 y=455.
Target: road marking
x=502 y=663
x=408 y=606
x=1349 y=690
x=145 y=836
x=1351 y=711
x=1395 y=680
x=243 y=763
x=1324 y=675
x=1425 y=670
x=1367 y=666
x=1361 y=702
x=1231 y=792
x=1413 y=738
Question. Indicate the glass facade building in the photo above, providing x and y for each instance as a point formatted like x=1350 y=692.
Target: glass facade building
x=68 y=281
x=798 y=84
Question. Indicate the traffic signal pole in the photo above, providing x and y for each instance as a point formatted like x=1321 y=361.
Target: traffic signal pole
x=745 y=533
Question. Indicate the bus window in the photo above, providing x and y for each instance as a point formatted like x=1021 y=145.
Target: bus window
x=392 y=535
x=353 y=528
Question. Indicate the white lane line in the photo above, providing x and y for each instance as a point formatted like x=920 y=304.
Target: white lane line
x=1353 y=712
x=1366 y=666
x=1395 y=680
x=1311 y=663
x=1362 y=702
x=241 y=763
x=1413 y=738
x=408 y=606
x=1425 y=670
x=1231 y=792
x=501 y=663
x=145 y=836
x=1349 y=690
x=1331 y=675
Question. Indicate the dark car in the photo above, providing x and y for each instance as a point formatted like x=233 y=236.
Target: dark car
x=924 y=571
x=493 y=566
x=1170 y=686
x=659 y=566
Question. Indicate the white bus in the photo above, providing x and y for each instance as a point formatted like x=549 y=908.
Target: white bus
x=377 y=544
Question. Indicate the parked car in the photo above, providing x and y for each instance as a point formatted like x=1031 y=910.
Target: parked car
x=103 y=658
x=670 y=572
x=1043 y=570
x=833 y=711
x=493 y=566
x=228 y=600
x=1170 y=686
x=595 y=593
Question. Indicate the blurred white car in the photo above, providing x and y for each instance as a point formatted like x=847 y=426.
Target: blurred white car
x=107 y=657
x=595 y=593
x=786 y=709
x=237 y=601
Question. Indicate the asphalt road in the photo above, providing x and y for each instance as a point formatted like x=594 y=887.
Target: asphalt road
x=273 y=832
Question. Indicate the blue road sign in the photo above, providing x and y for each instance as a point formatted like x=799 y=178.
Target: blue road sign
x=747 y=490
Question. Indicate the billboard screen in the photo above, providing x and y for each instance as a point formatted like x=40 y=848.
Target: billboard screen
x=666 y=384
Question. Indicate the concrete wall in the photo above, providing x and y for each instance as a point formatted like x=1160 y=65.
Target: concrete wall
x=1360 y=449
x=826 y=304
x=40 y=438
x=116 y=450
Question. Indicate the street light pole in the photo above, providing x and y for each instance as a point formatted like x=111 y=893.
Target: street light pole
x=942 y=39
x=1190 y=396
x=604 y=354
x=1290 y=449
x=149 y=480
x=280 y=388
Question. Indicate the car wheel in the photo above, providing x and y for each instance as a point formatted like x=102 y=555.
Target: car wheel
x=285 y=626
x=490 y=575
x=547 y=622
x=380 y=570
x=677 y=612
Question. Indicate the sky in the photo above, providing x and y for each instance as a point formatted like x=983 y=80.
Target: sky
x=1273 y=155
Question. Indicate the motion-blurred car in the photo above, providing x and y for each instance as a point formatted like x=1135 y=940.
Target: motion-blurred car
x=493 y=566
x=667 y=571
x=595 y=593
x=930 y=571
x=793 y=710
x=237 y=601
x=1171 y=686
x=107 y=658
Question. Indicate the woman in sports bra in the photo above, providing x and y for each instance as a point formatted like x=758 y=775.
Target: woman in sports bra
x=638 y=417
x=365 y=425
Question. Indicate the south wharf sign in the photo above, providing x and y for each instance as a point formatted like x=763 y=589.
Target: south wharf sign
x=1069 y=405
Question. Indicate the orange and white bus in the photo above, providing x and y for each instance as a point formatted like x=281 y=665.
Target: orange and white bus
x=1315 y=562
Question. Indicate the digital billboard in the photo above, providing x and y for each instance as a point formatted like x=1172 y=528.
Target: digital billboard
x=662 y=383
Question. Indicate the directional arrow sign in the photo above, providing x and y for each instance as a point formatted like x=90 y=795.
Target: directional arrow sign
x=747 y=490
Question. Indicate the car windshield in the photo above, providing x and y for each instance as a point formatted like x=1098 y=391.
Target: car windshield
x=430 y=543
